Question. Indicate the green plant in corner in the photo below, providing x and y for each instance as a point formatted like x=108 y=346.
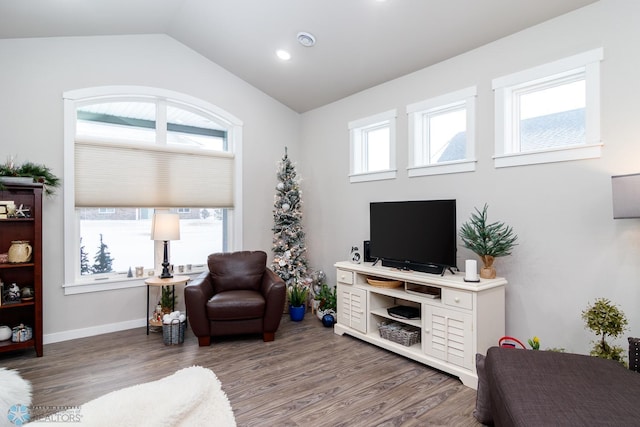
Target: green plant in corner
x=39 y=173
x=327 y=298
x=605 y=319
x=297 y=295
x=487 y=240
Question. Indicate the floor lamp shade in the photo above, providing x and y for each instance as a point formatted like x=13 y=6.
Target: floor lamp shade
x=625 y=190
x=165 y=227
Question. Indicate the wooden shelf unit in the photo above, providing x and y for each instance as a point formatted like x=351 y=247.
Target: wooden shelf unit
x=27 y=274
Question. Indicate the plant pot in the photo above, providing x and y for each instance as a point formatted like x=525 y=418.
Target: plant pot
x=321 y=313
x=328 y=320
x=16 y=180
x=487 y=271
x=297 y=313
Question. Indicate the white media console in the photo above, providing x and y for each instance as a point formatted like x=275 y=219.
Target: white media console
x=457 y=319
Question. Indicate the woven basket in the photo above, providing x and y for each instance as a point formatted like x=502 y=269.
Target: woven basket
x=399 y=333
x=173 y=333
x=384 y=283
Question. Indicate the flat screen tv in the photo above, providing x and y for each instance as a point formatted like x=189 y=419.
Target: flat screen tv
x=414 y=235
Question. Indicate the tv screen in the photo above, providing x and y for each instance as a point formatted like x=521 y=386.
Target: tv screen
x=414 y=235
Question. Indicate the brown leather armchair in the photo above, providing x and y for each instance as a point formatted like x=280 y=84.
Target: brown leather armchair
x=238 y=295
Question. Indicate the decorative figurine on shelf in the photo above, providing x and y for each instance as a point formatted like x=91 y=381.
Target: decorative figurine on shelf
x=355 y=256
x=13 y=294
x=26 y=294
x=23 y=211
x=11 y=210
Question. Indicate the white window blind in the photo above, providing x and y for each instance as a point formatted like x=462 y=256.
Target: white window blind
x=144 y=175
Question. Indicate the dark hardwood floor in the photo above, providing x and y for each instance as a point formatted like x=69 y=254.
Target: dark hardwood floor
x=307 y=377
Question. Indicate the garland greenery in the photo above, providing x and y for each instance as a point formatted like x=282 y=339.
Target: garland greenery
x=39 y=173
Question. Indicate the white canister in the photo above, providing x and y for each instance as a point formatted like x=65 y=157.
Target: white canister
x=5 y=333
x=471 y=270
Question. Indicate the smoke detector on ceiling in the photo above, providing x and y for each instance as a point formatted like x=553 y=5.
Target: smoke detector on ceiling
x=306 y=39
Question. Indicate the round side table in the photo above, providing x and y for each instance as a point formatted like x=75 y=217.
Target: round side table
x=156 y=281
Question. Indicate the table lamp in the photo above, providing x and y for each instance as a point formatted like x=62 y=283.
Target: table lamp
x=165 y=227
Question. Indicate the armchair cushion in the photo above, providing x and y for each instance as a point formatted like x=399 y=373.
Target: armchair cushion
x=236 y=305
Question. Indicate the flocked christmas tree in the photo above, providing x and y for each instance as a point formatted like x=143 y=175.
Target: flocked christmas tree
x=289 y=261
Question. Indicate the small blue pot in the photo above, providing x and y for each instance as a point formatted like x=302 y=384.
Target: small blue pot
x=328 y=320
x=297 y=313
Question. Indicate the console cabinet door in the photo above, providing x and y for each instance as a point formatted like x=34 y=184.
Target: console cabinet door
x=352 y=307
x=447 y=335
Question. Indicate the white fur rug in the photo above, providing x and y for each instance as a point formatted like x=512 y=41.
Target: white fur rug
x=14 y=390
x=190 y=397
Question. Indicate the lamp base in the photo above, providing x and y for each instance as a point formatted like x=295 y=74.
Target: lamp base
x=166 y=274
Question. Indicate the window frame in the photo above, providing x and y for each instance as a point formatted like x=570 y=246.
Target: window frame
x=74 y=283
x=419 y=142
x=357 y=147
x=507 y=117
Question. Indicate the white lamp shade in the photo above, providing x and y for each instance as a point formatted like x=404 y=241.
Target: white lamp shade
x=625 y=190
x=165 y=226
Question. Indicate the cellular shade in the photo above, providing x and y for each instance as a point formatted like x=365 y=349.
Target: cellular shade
x=144 y=175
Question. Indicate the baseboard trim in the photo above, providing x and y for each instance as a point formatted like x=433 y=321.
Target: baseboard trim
x=92 y=331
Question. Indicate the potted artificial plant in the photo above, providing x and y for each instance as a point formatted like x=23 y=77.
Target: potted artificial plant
x=605 y=319
x=297 y=296
x=327 y=303
x=488 y=241
x=168 y=299
x=32 y=171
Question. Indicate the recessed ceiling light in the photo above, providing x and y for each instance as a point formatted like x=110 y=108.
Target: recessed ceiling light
x=306 y=39
x=283 y=54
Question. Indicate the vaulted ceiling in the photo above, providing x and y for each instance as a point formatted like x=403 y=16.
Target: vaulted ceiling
x=360 y=43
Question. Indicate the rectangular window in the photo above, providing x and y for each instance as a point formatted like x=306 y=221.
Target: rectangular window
x=375 y=147
x=442 y=134
x=202 y=233
x=117 y=243
x=549 y=113
x=372 y=147
x=123 y=241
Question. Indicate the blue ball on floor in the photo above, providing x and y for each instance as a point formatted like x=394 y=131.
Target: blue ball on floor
x=328 y=320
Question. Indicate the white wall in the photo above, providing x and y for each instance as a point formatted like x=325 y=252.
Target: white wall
x=570 y=249
x=33 y=76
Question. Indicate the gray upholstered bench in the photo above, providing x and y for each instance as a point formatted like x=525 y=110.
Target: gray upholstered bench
x=544 y=388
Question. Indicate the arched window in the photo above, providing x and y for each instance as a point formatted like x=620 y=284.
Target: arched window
x=133 y=151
